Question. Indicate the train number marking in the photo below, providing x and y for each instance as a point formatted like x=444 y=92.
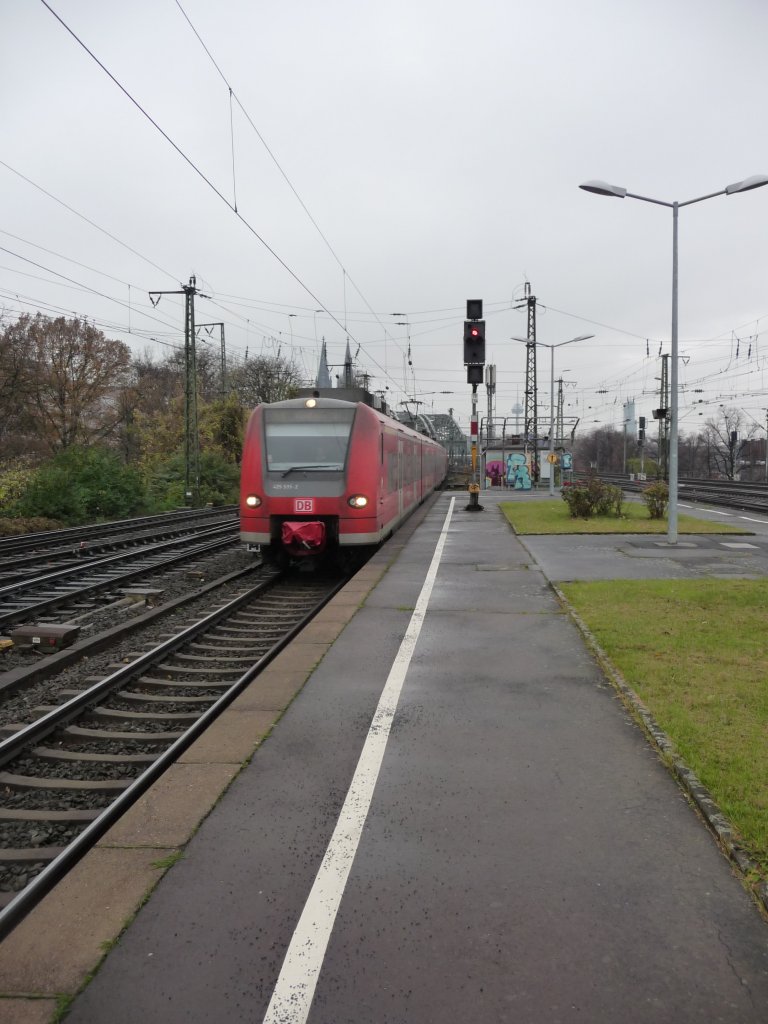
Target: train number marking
x=303 y=504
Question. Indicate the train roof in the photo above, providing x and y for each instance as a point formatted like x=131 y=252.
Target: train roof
x=320 y=403
x=324 y=402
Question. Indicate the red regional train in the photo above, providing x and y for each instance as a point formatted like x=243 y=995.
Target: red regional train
x=322 y=476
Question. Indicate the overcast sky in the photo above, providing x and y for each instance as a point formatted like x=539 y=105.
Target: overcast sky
x=397 y=159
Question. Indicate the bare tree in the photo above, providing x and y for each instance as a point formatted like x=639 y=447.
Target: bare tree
x=207 y=369
x=265 y=379
x=15 y=383
x=602 y=450
x=75 y=375
x=724 y=439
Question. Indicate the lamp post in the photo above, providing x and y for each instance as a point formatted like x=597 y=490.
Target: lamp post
x=581 y=337
x=624 y=464
x=602 y=188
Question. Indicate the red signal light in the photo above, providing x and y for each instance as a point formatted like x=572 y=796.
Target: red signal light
x=474 y=342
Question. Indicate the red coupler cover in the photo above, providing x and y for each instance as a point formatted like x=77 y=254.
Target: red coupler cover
x=308 y=536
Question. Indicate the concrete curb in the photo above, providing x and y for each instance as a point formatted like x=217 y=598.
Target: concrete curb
x=722 y=829
x=53 y=954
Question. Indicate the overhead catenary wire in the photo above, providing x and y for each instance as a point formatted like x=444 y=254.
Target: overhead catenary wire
x=87 y=219
x=205 y=179
x=78 y=284
x=291 y=186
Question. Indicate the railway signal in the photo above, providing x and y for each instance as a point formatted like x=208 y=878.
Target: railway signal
x=474 y=342
x=474 y=360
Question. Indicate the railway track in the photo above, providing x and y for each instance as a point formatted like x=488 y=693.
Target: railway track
x=20 y=558
x=746 y=497
x=94 y=748
x=100 y=537
x=57 y=596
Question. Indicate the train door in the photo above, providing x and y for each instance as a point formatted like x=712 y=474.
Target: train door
x=399 y=477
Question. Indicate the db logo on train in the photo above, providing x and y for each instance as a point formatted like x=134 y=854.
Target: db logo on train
x=304 y=505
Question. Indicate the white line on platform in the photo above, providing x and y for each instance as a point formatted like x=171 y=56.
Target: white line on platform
x=295 y=988
x=750 y=520
x=716 y=513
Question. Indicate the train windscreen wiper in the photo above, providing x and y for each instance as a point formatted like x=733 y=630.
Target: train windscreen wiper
x=326 y=465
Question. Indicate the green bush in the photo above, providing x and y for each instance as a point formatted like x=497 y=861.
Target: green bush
x=593 y=498
x=36 y=524
x=81 y=485
x=219 y=481
x=656 y=498
x=578 y=500
x=14 y=480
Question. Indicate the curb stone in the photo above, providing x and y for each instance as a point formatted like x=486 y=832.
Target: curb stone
x=694 y=789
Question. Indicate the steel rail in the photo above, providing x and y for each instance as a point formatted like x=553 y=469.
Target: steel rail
x=18 y=908
x=210 y=544
x=22 y=542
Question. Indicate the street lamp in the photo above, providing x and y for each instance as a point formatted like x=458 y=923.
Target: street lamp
x=601 y=188
x=526 y=341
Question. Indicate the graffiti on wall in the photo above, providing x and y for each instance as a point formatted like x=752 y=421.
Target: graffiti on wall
x=518 y=472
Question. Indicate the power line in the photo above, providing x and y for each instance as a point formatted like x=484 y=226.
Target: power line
x=78 y=284
x=183 y=155
x=86 y=219
x=207 y=181
x=276 y=162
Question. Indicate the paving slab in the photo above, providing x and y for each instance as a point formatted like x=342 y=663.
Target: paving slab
x=27 y=1011
x=233 y=737
x=167 y=814
x=526 y=856
x=55 y=948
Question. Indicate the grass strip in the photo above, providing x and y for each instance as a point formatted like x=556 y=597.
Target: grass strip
x=532 y=517
x=696 y=653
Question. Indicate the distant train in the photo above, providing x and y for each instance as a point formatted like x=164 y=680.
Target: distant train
x=322 y=476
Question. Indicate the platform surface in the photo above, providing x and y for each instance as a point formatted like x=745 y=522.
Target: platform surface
x=525 y=856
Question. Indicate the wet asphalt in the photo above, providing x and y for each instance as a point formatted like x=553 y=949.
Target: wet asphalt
x=526 y=857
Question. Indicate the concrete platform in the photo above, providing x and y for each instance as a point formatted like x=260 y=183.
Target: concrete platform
x=525 y=855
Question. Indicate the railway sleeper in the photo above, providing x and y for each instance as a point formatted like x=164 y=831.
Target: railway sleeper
x=110 y=714
x=22 y=783
x=199 y=672
x=227 y=645
x=151 y=698
x=36 y=855
x=49 y=754
x=151 y=683
x=73 y=817
x=264 y=609
x=202 y=659
x=229 y=632
x=242 y=641
x=161 y=739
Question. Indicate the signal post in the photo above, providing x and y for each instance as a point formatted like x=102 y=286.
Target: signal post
x=474 y=360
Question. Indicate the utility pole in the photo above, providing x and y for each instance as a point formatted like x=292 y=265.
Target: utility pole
x=191 y=432
x=531 y=390
x=559 y=439
x=490 y=386
x=560 y=426
x=664 y=419
x=223 y=388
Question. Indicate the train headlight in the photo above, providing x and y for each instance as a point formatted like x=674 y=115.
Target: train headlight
x=357 y=501
x=253 y=501
x=310 y=403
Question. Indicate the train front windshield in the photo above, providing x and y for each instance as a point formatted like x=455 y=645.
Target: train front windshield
x=315 y=439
